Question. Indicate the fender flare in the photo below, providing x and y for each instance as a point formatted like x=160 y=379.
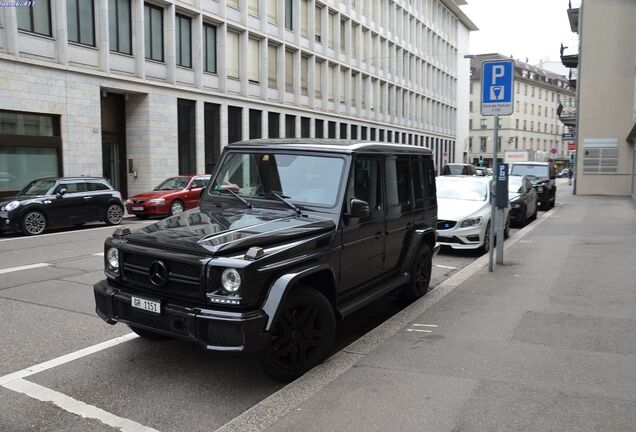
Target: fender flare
x=279 y=290
x=417 y=239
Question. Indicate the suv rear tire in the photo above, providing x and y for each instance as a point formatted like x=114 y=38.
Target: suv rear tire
x=420 y=275
x=302 y=336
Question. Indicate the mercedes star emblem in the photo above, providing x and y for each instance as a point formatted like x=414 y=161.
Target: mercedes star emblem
x=158 y=273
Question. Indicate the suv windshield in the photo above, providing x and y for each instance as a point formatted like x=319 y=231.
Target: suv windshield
x=37 y=187
x=303 y=179
x=174 y=183
x=537 y=171
x=515 y=184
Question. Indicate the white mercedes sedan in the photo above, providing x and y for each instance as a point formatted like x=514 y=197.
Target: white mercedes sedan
x=463 y=212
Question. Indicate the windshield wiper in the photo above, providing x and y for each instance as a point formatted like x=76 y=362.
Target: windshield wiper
x=240 y=198
x=288 y=203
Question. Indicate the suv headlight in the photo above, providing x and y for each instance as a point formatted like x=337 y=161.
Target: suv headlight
x=12 y=205
x=231 y=280
x=112 y=261
x=470 y=222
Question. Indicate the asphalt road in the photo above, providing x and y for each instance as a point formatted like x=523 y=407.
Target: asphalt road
x=47 y=310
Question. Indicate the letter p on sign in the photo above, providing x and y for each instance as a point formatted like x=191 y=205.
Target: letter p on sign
x=498 y=71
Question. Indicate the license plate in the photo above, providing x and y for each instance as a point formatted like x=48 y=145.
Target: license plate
x=145 y=304
x=138 y=209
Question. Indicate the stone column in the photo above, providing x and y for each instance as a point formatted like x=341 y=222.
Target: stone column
x=103 y=32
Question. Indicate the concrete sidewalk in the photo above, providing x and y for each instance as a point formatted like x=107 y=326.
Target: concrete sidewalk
x=546 y=343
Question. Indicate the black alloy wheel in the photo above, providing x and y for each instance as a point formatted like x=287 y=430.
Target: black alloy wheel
x=33 y=223
x=114 y=214
x=421 y=270
x=149 y=335
x=302 y=336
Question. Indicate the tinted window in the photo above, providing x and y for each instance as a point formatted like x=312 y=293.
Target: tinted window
x=422 y=180
x=73 y=187
x=398 y=181
x=96 y=186
x=364 y=183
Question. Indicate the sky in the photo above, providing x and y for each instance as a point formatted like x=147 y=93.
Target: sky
x=532 y=29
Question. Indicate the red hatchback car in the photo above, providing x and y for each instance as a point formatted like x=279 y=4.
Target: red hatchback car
x=171 y=197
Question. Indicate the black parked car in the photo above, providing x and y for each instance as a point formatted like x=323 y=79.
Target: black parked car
x=523 y=200
x=542 y=176
x=290 y=236
x=56 y=202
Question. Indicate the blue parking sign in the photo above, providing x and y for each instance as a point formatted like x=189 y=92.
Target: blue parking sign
x=497 y=87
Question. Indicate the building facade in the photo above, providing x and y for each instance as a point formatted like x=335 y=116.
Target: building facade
x=605 y=116
x=539 y=97
x=140 y=90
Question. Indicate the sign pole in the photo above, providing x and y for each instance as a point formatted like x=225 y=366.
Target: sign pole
x=493 y=218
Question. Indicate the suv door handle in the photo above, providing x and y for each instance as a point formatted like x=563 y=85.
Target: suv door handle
x=87 y=198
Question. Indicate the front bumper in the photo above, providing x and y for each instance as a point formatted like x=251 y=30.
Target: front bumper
x=213 y=330
x=148 y=210
x=462 y=238
x=8 y=223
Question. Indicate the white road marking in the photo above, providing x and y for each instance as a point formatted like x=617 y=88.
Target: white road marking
x=419 y=330
x=41 y=367
x=24 y=267
x=98 y=254
x=75 y=406
x=526 y=241
x=445 y=267
x=424 y=325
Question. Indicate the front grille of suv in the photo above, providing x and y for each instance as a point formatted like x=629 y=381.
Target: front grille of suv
x=184 y=275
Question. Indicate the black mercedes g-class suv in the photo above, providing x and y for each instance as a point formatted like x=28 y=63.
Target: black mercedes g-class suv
x=542 y=176
x=289 y=236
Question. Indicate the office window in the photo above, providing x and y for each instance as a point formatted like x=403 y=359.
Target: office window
x=332 y=30
x=305 y=127
x=470 y=106
x=343 y=32
x=331 y=82
x=482 y=144
x=252 y=7
x=289 y=71
x=154 y=32
x=233 y=57
x=80 y=21
x=254 y=60
x=304 y=74
x=354 y=41
x=234 y=124
x=272 y=11
x=354 y=88
x=255 y=123
x=470 y=124
x=318 y=24
x=272 y=65
x=318 y=79
x=319 y=128
x=290 y=126
x=35 y=19
x=516 y=123
x=342 y=86
x=233 y=3
x=119 y=26
x=209 y=33
x=183 y=41
x=273 y=124
x=484 y=123
x=186 y=112
x=304 y=18
x=289 y=16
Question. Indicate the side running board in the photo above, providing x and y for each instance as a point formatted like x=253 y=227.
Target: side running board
x=374 y=293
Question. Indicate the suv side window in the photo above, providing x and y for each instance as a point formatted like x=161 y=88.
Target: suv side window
x=398 y=182
x=365 y=183
x=74 y=187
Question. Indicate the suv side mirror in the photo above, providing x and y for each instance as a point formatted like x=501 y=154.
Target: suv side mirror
x=61 y=193
x=359 y=208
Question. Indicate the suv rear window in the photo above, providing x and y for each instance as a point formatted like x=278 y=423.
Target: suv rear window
x=537 y=171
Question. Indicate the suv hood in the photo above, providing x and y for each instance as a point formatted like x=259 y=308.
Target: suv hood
x=457 y=210
x=227 y=230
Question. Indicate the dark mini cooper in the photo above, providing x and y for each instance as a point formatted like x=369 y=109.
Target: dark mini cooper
x=56 y=202
x=290 y=236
